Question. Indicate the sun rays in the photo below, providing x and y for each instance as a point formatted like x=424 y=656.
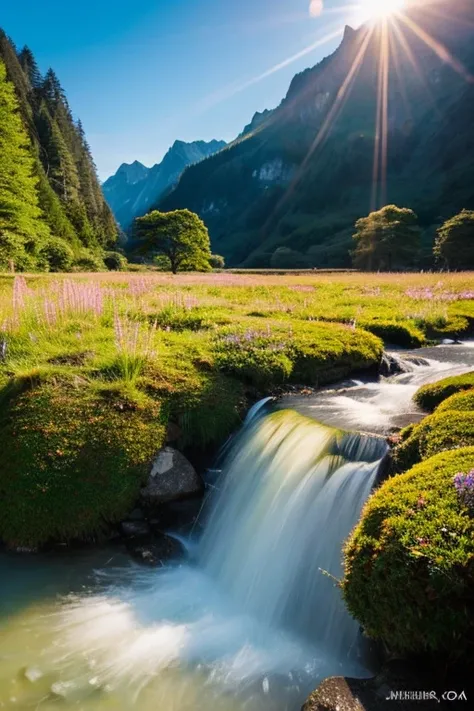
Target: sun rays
x=388 y=33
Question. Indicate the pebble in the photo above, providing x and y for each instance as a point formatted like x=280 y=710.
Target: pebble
x=33 y=674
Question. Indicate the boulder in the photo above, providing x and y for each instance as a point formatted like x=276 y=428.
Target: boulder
x=135 y=529
x=333 y=694
x=172 y=478
x=136 y=515
x=394 y=364
x=157 y=552
x=398 y=684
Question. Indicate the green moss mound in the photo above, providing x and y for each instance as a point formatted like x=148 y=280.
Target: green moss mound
x=409 y=564
x=430 y=396
x=302 y=352
x=73 y=459
x=405 y=334
x=461 y=402
x=437 y=433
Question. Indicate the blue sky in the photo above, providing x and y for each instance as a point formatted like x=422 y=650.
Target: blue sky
x=142 y=73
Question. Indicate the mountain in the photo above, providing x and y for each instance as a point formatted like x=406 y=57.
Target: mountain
x=293 y=184
x=135 y=189
x=52 y=211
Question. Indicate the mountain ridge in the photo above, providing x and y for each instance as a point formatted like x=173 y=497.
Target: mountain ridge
x=134 y=188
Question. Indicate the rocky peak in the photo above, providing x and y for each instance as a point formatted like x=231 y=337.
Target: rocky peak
x=133 y=172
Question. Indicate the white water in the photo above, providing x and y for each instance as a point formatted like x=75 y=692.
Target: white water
x=383 y=405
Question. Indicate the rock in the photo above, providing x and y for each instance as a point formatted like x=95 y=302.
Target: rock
x=397 y=364
x=33 y=674
x=135 y=529
x=136 y=515
x=157 y=552
x=173 y=432
x=333 y=694
x=172 y=478
x=397 y=684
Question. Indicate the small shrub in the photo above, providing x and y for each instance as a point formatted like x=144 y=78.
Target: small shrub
x=217 y=261
x=409 y=570
x=436 y=433
x=88 y=262
x=461 y=402
x=430 y=396
x=58 y=255
x=115 y=262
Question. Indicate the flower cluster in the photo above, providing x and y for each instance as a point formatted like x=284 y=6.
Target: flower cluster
x=133 y=338
x=254 y=339
x=178 y=300
x=428 y=294
x=464 y=485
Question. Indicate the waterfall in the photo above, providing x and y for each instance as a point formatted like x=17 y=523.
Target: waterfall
x=259 y=612
x=290 y=494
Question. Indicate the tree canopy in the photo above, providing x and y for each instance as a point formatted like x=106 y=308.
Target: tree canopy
x=454 y=244
x=181 y=237
x=387 y=240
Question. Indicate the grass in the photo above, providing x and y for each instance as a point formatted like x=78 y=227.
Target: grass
x=94 y=367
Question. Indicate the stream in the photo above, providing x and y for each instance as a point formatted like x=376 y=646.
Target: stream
x=253 y=620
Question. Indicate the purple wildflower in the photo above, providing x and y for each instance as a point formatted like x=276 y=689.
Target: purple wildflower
x=464 y=485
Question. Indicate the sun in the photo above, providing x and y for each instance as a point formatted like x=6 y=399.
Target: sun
x=375 y=10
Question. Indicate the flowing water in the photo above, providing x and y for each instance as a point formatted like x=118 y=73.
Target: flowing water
x=254 y=620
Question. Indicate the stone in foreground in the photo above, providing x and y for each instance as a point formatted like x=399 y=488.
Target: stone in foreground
x=172 y=478
x=394 y=686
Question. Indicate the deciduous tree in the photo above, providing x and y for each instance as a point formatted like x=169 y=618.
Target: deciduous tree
x=387 y=240
x=180 y=236
x=454 y=244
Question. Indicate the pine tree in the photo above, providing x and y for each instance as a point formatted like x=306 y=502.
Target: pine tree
x=69 y=192
x=30 y=68
x=16 y=75
x=21 y=225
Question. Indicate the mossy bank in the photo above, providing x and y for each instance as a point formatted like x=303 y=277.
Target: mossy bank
x=409 y=564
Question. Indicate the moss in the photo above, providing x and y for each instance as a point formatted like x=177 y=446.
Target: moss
x=409 y=564
x=303 y=352
x=436 y=433
x=430 y=396
x=451 y=327
x=404 y=334
x=72 y=459
x=461 y=402
x=208 y=414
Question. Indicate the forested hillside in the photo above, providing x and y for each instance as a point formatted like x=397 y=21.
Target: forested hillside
x=289 y=190
x=52 y=211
